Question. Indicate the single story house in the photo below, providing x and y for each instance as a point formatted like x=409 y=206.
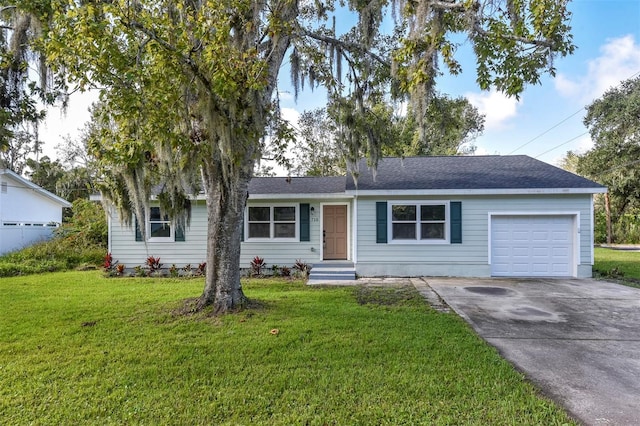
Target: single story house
x=28 y=213
x=476 y=216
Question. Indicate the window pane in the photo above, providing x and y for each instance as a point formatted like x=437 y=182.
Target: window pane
x=259 y=214
x=404 y=231
x=432 y=212
x=432 y=231
x=159 y=230
x=154 y=214
x=259 y=230
x=284 y=230
x=403 y=213
x=283 y=214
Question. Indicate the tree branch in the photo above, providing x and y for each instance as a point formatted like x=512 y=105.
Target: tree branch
x=537 y=43
x=351 y=47
x=168 y=46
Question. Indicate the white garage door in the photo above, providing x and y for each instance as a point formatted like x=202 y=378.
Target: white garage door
x=532 y=246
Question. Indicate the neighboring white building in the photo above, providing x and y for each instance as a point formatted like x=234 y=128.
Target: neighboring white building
x=477 y=216
x=28 y=213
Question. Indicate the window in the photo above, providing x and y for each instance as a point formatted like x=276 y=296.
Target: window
x=272 y=222
x=159 y=225
x=419 y=222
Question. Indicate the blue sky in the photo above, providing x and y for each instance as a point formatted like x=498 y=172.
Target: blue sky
x=607 y=36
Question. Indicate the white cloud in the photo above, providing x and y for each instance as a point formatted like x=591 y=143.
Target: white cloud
x=619 y=59
x=291 y=115
x=497 y=107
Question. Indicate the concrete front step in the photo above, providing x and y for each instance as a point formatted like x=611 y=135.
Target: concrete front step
x=332 y=277
x=333 y=271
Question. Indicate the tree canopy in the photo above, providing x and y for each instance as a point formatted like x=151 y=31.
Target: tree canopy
x=189 y=87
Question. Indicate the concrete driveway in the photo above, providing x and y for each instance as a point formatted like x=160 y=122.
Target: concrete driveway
x=577 y=340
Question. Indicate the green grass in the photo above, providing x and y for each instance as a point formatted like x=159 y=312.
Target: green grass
x=623 y=265
x=77 y=348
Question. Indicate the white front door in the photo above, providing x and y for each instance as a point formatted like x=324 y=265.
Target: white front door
x=532 y=246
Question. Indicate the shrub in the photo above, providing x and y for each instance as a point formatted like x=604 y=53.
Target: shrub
x=256 y=266
x=302 y=267
x=285 y=271
x=173 y=271
x=154 y=264
x=202 y=268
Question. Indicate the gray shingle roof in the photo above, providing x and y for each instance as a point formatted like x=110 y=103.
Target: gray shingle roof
x=297 y=185
x=466 y=172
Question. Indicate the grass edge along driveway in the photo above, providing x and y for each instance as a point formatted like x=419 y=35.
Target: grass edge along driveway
x=76 y=347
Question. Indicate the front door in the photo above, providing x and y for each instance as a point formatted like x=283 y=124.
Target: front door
x=334 y=233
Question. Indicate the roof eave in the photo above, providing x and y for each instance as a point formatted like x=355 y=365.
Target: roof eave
x=298 y=196
x=53 y=197
x=487 y=191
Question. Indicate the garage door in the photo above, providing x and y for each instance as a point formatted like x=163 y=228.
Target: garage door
x=532 y=246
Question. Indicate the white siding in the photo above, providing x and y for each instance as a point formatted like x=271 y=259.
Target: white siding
x=25 y=205
x=471 y=258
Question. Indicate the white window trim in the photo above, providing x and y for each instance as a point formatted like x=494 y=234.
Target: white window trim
x=169 y=239
x=417 y=203
x=296 y=238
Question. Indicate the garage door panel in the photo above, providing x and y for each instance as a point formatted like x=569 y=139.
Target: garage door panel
x=534 y=245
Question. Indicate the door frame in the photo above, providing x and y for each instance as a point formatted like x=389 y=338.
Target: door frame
x=575 y=228
x=336 y=203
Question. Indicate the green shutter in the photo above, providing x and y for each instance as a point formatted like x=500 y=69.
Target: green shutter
x=179 y=234
x=305 y=223
x=138 y=232
x=455 y=212
x=381 y=222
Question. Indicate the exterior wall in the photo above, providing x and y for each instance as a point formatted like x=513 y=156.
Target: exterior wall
x=286 y=253
x=24 y=205
x=24 y=216
x=14 y=238
x=126 y=250
x=471 y=258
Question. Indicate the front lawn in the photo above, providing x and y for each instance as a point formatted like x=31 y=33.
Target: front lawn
x=77 y=348
x=623 y=265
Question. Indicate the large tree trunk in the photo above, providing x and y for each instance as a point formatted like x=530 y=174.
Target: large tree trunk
x=225 y=206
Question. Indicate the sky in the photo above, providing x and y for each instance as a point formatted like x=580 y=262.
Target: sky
x=547 y=120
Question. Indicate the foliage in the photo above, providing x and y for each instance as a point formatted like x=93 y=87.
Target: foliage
x=189 y=90
x=613 y=160
x=623 y=265
x=24 y=81
x=320 y=151
x=257 y=264
x=154 y=265
x=87 y=227
x=285 y=271
x=137 y=362
x=58 y=254
x=302 y=267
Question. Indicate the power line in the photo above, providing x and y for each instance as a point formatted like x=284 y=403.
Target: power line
x=546 y=131
x=566 y=119
x=563 y=143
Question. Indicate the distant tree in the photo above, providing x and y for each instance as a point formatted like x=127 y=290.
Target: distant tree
x=452 y=125
x=570 y=162
x=45 y=173
x=614 y=160
x=25 y=81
